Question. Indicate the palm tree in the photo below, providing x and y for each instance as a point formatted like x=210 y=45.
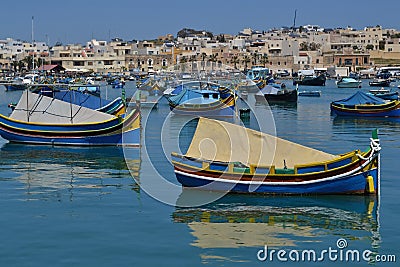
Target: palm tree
x=255 y=58
x=304 y=46
x=246 y=60
x=264 y=60
x=203 y=57
x=213 y=59
x=192 y=59
x=235 y=60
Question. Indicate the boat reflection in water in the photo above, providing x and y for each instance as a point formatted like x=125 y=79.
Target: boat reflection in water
x=47 y=171
x=239 y=222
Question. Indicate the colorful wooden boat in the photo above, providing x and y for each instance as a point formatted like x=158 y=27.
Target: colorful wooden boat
x=39 y=119
x=230 y=158
x=198 y=102
x=364 y=105
x=348 y=83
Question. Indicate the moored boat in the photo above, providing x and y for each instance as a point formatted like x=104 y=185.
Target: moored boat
x=311 y=80
x=38 y=119
x=385 y=94
x=309 y=93
x=231 y=158
x=277 y=93
x=362 y=104
x=348 y=83
x=380 y=82
x=198 y=102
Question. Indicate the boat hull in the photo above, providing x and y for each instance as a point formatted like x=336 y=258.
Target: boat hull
x=316 y=81
x=223 y=108
x=350 y=184
x=349 y=85
x=127 y=132
x=285 y=97
x=391 y=109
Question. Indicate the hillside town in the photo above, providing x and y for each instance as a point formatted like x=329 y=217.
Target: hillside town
x=284 y=51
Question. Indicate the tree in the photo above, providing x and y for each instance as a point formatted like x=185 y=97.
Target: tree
x=213 y=59
x=234 y=61
x=264 y=60
x=370 y=47
x=246 y=60
x=255 y=58
x=304 y=46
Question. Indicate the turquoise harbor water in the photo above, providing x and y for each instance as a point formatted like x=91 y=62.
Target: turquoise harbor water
x=64 y=206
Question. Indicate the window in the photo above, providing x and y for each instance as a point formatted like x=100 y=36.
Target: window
x=348 y=61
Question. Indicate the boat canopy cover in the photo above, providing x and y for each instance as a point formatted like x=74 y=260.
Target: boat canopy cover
x=360 y=98
x=81 y=99
x=43 y=109
x=222 y=141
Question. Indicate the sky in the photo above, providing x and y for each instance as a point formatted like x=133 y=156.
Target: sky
x=79 y=21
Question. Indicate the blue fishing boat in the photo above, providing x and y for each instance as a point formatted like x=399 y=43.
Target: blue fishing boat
x=385 y=94
x=197 y=101
x=231 y=158
x=348 y=83
x=364 y=105
x=38 y=119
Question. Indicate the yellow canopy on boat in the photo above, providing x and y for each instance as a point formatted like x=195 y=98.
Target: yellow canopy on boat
x=222 y=141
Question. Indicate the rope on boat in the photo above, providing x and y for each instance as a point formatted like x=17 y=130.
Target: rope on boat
x=375 y=146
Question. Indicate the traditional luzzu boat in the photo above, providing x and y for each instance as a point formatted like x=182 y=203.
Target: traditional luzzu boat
x=231 y=158
x=38 y=119
x=203 y=102
x=364 y=105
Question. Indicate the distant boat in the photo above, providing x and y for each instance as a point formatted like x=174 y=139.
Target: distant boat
x=364 y=105
x=38 y=119
x=348 y=83
x=277 y=93
x=242 y=160
x=311 y=80
x=309 y=93
x=385 y=94
x=195 y=101
x=21 y=83
x=380 y=82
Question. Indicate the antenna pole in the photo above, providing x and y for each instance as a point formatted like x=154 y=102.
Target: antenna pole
x=294 y=20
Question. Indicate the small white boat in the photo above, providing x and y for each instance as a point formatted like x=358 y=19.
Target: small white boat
x=348 y=83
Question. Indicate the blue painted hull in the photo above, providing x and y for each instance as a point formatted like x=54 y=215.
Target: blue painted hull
x=126 y=132
x=391 y=113
x=224 y=112
x=15 y=87
x=58 y=128
x=129 y=138
x=345 y=185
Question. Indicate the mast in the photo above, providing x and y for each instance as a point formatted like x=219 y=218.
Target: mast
x=33 y=48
